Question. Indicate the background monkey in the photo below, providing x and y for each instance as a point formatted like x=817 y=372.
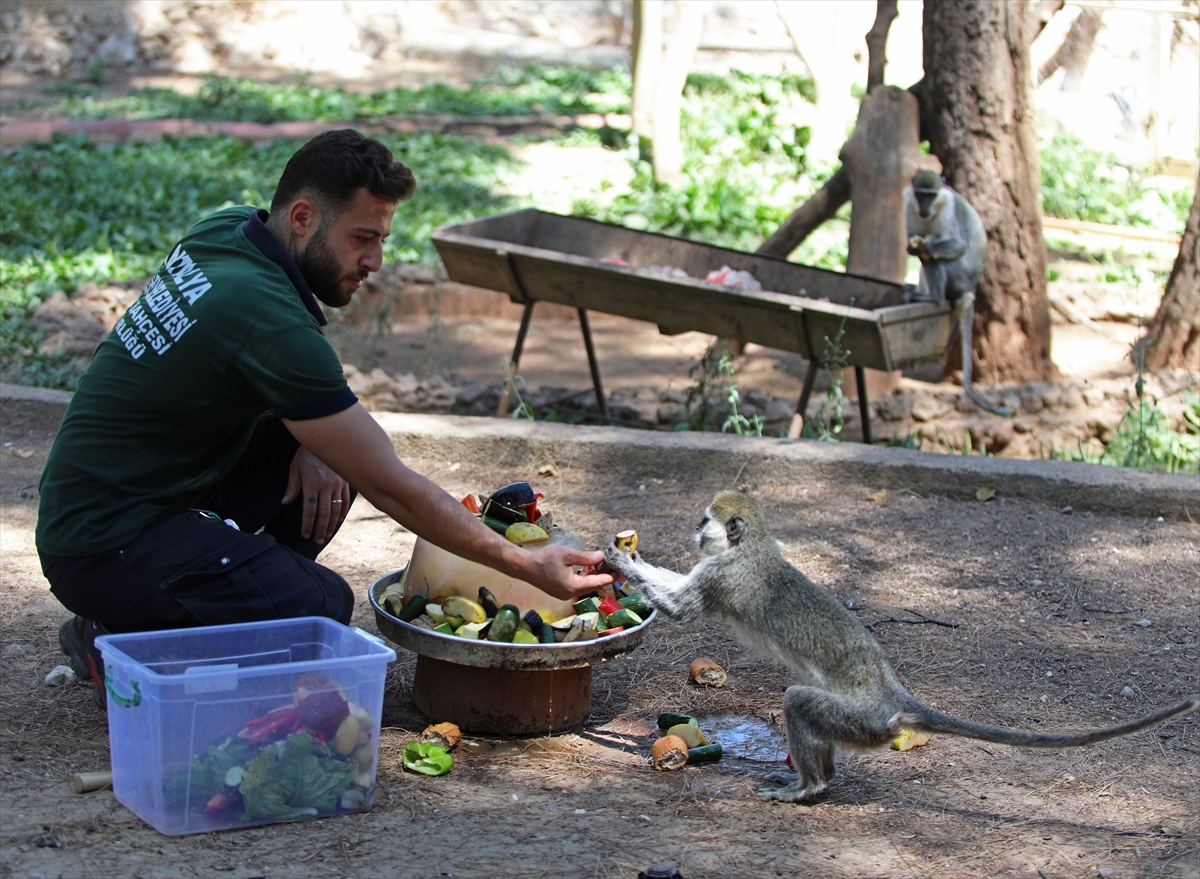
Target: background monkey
x=849 y=695
x=946 y=234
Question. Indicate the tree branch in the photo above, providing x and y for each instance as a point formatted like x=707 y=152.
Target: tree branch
x=885 y=12
x=821 y=207
x=1042 y=13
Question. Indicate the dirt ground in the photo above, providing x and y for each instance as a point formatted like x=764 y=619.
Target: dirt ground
x=1035 y=619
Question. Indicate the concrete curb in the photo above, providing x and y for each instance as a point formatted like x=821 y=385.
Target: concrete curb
x=525 y=445
x=643 y=454
x=37 y=409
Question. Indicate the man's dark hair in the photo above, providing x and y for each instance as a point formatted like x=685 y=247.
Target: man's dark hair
x=332 y=166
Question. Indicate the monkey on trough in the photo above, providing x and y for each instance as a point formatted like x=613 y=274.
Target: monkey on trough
x=849 y=694
x=946 y=234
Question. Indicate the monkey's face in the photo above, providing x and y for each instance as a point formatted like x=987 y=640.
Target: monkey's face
x=713 y=536
x=925 y=199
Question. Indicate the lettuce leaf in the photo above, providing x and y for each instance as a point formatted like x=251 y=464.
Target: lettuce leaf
x=298 y=776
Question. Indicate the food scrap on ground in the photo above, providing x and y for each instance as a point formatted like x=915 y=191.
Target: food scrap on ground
x=448 y=735
x=426 y=758
x=707 y=673
x=682 y=738
x=909 y=739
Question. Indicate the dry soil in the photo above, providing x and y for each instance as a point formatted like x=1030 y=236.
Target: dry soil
x=1005 y=611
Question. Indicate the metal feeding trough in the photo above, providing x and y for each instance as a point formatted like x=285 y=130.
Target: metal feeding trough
x=536 y=256
x=501 y=689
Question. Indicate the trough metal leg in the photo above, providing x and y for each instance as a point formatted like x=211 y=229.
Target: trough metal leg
x=506 y=394
x=864 y=406
x=810 y=378
x=595 y=366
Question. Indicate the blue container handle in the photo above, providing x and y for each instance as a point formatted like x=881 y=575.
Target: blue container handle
x=124 y=701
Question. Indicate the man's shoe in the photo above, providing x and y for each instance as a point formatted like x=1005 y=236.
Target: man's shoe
x=77 y=639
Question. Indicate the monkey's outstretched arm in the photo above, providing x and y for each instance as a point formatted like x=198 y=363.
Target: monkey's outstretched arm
x=666 y=590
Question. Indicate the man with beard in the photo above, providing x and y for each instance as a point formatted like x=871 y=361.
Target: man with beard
x=213 y=446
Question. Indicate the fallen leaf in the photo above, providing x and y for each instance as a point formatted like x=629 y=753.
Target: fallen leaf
x=985 y=493
x=909 y=739
x=877 y=496
x=547 y=470
x=22 y=453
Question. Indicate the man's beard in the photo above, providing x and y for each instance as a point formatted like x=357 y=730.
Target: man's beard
x=320 y=269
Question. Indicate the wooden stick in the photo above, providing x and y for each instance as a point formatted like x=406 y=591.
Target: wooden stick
x=86 y=782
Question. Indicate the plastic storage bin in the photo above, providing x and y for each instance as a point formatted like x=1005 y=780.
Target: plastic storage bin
x=240 y=725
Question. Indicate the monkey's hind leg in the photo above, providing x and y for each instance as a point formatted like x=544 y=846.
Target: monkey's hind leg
x=964 y=309
x=816 y=719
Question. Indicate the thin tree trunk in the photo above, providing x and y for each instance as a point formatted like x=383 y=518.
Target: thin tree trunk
x=1075 y=50
x=981 y=122
x=646 y=61
x=1174 y=333
x=885 y=12
x=668 y=101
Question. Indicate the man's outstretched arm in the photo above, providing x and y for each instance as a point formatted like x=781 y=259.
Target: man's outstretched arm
x=358 y=450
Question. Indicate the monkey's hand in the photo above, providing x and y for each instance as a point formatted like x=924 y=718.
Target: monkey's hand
x=662 y=588
x=627 y=565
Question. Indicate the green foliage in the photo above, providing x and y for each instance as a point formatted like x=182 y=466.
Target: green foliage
x=714 y=380
x=511 y=92
x=828 y=421
x=73 y=212
x=699 y=402
x=1147 y=440
x=741 y=164
x=1079 y=183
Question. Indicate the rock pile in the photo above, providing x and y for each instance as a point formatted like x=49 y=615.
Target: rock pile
x=1051 y=417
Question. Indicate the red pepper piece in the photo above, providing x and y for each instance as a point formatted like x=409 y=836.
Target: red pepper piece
x=531 y=509
x=470 y=504
x=609 y=605
x=612 y=631
x=788 y=761
x=273 y=725
x=219 y=803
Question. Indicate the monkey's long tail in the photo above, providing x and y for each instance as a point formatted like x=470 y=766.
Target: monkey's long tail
x=935 y=721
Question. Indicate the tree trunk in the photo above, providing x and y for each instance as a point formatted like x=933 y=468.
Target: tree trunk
x=1174 y=334
x=885 y=13
x=668 y=94
x=977 y=99
x=881 y=157
x=646 y=61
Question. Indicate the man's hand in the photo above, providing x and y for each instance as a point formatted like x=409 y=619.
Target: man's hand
x=555 y=571
x=325 y=496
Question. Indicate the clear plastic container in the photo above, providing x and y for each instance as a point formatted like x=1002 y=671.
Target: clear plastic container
x=184 y=706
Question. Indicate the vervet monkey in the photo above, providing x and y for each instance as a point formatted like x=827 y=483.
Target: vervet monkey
x=849 y=695
x=946 y=234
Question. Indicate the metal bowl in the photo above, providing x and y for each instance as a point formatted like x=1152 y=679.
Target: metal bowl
x=489 y=654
